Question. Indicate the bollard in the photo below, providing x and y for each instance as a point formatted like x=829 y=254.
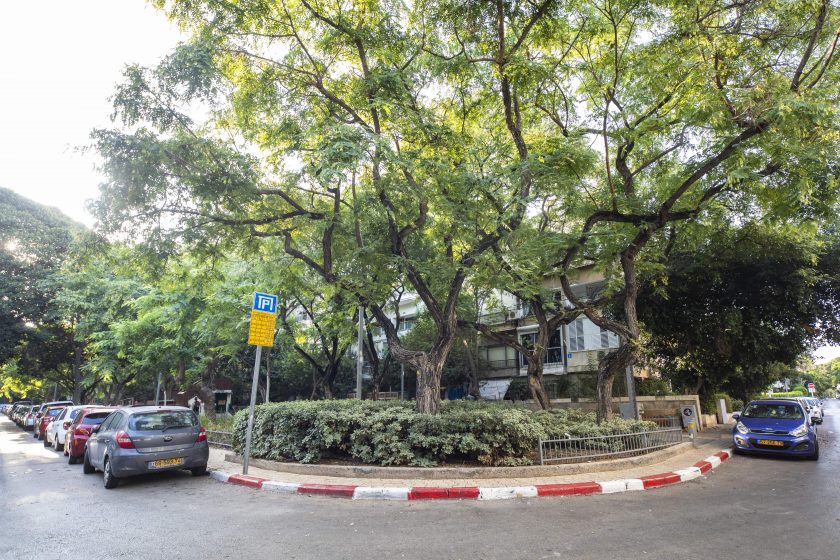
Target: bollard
x=691 y=433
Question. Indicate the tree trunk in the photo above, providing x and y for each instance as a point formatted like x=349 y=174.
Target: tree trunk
x=428 y=385
x=535 y=383
x=473 y=389
x=628 y=353
x=208 y=397
x=316 y=383
x=78 y=379
x=611 y=365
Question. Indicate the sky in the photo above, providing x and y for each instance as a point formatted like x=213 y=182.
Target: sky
x=61 y=61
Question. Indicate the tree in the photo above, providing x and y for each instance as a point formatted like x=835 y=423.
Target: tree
x=694 y=105
x=721 y=316
x=394 y=185
x=34 y=241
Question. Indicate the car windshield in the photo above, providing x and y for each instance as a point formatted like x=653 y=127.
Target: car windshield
x=162 y=420
x=780 y=411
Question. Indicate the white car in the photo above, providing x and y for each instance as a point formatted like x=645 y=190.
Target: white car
x=56 y=432
x=816 y=408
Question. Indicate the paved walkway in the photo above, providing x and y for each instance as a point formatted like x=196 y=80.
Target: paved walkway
x=709 y=442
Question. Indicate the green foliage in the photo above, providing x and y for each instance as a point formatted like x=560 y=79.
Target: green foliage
x=34 y=241
x=393 y=433
x=653 y=387
x=735 y=311
x=798 y=392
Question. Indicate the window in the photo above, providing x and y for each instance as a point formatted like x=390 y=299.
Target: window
x=405 y=324
x=576 y=343
x=95 y=418
x=554 y=352
x=161 y=420
x=496 y=356
x=109 y=422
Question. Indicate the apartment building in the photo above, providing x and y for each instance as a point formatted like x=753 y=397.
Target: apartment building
x=573 y=353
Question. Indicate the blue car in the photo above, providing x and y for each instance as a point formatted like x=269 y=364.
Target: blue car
x=775 y=427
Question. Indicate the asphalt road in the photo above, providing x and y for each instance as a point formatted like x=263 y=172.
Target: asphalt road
x=748 y=508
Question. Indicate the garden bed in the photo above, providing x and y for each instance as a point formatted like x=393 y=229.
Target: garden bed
x=393 y=433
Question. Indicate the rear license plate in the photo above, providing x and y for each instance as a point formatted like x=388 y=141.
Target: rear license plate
x=167 y=463
x=772 y=442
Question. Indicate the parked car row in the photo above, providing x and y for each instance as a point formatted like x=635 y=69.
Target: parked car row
x=781 y=426
x=120 y=442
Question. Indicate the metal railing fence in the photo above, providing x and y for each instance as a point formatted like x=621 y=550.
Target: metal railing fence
x=586 y=448
x=220 y=439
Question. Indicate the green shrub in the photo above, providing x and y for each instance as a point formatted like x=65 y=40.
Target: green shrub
x=798 y=392
x=393 y=433
x=222 y=422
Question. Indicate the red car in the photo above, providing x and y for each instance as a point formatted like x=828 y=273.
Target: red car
x=47 y=417
x=80 y=430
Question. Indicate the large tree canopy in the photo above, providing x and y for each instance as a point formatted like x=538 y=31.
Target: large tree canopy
x=721 y=316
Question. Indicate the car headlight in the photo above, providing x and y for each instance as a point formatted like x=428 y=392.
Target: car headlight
x=741 y=428
x=800 y=431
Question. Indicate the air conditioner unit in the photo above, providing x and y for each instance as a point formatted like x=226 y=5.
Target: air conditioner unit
x=511 y=314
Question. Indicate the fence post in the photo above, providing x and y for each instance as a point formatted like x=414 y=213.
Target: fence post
x=542 y=461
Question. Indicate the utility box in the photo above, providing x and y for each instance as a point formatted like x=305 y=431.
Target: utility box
x=688 y=413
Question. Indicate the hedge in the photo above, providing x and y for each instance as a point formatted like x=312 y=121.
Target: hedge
x=393 y=433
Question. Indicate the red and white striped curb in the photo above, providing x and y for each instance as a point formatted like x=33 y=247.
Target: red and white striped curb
x=478 y=493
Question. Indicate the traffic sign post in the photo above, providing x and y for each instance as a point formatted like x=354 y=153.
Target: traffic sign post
x=260 y=333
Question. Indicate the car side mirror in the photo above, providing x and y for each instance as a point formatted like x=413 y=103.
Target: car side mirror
x=95 y=429
x=736 y=415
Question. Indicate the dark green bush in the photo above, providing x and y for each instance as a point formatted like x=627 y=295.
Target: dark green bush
x=393 y=433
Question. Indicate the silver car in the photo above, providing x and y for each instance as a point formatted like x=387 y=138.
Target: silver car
x=146 y=439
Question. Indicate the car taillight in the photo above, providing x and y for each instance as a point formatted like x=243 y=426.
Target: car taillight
x=80 y=431
x=66 y=425
x=124 y=441
x=202 y=435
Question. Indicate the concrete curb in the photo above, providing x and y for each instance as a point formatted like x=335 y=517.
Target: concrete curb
x=479 y=493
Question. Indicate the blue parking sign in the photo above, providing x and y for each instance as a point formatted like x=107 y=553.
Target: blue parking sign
x=265 y=302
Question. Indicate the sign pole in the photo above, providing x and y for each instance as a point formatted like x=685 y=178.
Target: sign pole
x=256 y=380
x=360 y=354
x=260 y=333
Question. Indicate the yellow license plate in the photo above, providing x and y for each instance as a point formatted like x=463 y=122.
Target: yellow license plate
x=167 y=463
x=771 y=442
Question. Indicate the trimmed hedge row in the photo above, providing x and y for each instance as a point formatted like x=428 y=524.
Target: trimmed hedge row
x=393 y=433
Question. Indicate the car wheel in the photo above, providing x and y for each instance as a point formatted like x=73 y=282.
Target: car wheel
x=57 y=446
x=199 y=471
x=87 y=468
x=72 y=460
x=46 y=442
x=108 y=476
x=815 y=456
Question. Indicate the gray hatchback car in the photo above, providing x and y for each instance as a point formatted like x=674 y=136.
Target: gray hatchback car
x=133 y=441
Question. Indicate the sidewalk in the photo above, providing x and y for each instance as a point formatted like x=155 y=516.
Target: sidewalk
x=684 y=466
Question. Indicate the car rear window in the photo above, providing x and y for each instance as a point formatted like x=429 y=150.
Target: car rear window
x=161 y=420
x=54 y=412
x=780 y=411
x=95 y=418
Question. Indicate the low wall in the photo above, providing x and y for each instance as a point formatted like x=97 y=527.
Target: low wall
x=671 y=403
x=445 y=473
